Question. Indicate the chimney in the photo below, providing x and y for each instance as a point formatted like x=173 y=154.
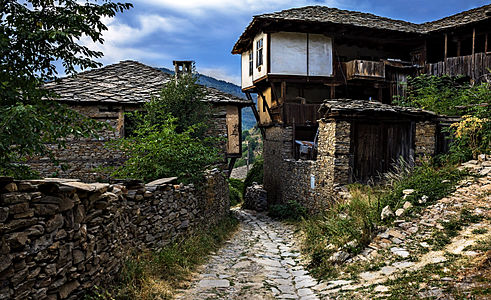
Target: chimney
x=182 y=67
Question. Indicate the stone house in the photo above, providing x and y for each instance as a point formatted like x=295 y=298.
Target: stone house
x=105 y=94
x=301 y=61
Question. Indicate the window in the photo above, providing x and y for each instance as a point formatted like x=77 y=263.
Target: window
x=259 y=53
x=251 y=62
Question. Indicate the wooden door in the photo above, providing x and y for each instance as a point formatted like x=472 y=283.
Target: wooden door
x=378 y=146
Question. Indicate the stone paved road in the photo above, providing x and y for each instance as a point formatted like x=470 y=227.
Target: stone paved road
x=260 y=261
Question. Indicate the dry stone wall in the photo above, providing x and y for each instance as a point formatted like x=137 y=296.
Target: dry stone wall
x=59 y=238
x=315 y=184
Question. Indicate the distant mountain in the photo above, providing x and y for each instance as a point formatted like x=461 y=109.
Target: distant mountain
x=248 y=119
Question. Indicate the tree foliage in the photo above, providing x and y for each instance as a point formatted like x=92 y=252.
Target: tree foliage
x=182 y=99
x=169 y=136
x=35 y=36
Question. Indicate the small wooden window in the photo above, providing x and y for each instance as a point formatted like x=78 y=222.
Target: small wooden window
x=251 y=62
x=259 y=53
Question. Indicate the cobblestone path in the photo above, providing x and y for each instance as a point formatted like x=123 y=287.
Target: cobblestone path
x=261 y=261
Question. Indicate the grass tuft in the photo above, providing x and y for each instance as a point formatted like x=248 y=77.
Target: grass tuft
x=156 y=274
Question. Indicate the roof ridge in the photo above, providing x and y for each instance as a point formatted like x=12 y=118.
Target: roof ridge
x=457 y=14
x=340 y=10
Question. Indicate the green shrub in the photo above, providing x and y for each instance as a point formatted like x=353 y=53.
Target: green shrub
x=235 y=197
x=236 y=186
x=255 y=174
x=289 y=211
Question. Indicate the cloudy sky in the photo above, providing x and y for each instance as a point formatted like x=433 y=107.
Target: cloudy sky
x=156 y=32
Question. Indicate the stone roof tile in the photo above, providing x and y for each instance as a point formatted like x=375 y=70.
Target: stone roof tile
x=127 y=82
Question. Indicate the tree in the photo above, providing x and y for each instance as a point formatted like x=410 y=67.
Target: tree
x=169 y=136
x=35 y=35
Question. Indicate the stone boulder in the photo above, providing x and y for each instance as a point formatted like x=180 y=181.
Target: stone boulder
x=255 y=198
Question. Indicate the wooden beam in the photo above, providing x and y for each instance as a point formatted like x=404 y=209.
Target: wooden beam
x=256 y=114
x=446 y=47
x=283 y=91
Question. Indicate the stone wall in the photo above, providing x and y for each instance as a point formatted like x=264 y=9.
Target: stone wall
x=425 y=140
x=86 y=159
x=277 y=146
x=59 y=238
x=315 y=184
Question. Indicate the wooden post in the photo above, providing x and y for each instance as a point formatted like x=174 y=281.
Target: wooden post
x=459 y=46
x=486 y=44
x=283 y=91
x=473 y=41
x=446 y=47
x=333 y=91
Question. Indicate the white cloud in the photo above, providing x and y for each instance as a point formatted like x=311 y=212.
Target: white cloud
x=220 y=73
x=200 y=7
x=120 y=39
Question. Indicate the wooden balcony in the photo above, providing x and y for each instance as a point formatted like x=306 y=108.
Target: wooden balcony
x=300 y=114
x=365 y=69
x=472 y=66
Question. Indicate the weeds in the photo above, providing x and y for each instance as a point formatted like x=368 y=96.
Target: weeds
x=154 y=275
x=290 y=211
x=350 y=225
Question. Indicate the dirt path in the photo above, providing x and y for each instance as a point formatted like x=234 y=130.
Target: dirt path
x=261 y=261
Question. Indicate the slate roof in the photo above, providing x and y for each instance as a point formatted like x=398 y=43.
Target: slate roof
x=365 y=107
x=126 y=82
x=328 y=15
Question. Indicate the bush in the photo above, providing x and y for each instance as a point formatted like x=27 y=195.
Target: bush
x=168 y=138
x=236 y=186
x=235 y=197
x=255 y=174
x=289 y=211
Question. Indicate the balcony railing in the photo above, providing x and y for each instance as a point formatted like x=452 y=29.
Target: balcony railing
x=474 y=66
x=365 y=69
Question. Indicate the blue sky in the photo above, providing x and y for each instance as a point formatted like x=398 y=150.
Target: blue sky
x=155 y=32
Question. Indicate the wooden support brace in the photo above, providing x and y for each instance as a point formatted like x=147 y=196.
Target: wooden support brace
x=265 y=104
x=231 y=166
x=256 y=114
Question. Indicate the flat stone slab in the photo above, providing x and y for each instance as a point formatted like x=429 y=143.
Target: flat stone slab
x=163 y=181
x=214 y=283
x=400 y=251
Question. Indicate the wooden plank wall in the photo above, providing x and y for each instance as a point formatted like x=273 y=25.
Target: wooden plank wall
x=473 y=66
x=364 y=68
x=377 y=146
x=301 y=114
x=233 y=130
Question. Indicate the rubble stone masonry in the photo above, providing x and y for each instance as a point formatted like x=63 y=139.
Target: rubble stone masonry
x=425 y=140
x=88 y=159
x=59 y=237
